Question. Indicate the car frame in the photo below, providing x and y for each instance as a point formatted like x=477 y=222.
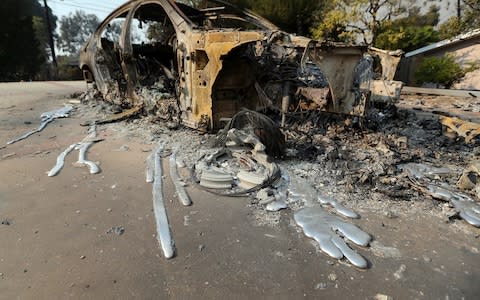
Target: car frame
x=221 y=59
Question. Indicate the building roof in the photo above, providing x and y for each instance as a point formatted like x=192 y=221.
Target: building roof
x=444 y=43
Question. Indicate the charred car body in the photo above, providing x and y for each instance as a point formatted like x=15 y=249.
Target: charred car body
x=202 y=65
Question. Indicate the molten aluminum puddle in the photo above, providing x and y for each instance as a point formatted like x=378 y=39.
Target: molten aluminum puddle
x=46 y=118
x=323 y=226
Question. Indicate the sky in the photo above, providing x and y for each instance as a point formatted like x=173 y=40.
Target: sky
x=101 y=8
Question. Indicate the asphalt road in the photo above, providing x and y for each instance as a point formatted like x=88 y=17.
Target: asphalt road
x=55 y=241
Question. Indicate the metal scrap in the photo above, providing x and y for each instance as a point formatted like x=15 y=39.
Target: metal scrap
x=468 y=130
x=117 y=117
x=46 y=118
x=214 y=179
x=386 y=91
x=419 y=171
x=253 y=174
x=276 y=205
x=242 y=162
x=467 y=208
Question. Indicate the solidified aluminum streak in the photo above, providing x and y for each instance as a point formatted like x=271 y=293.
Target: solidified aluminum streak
x=46 y=118
x=320 y=225
x=338 y=207
x=468 y=209
x=181 y=192
x=279 y=203
x=276 y=205
x=300 y=190
x=163 y=228
x=150 y=166
x=60 y=161
x=82 y=148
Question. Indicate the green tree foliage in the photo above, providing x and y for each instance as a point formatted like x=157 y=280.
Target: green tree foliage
x=295 y=16
x=470 y=19
x=386 y=24
x=406 y=38
x=332 y=26
x=450 y=28
x=20 y=57
x=75 y=29
x=442 y=70
x=359 y=18
x=408 y=33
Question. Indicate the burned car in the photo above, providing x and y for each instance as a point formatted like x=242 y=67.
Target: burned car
x=201 y=65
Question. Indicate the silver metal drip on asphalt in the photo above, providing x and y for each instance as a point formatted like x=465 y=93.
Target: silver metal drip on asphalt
x=149 y=172
x=163 y=227
x=46 y=118
x=60 y=161
x=321 y=226
x=324 y=199
x=467 y=208
x=82 y=148
x=180 y=189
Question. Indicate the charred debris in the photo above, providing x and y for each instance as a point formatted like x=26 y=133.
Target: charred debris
x=287 y=121
x=323 y=167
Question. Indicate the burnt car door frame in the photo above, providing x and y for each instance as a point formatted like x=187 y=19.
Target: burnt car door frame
x=102 y=71
x=178 y=21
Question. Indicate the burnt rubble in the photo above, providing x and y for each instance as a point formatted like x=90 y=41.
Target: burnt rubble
x=327 y=169
x=281 y=124
x=354 y=162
